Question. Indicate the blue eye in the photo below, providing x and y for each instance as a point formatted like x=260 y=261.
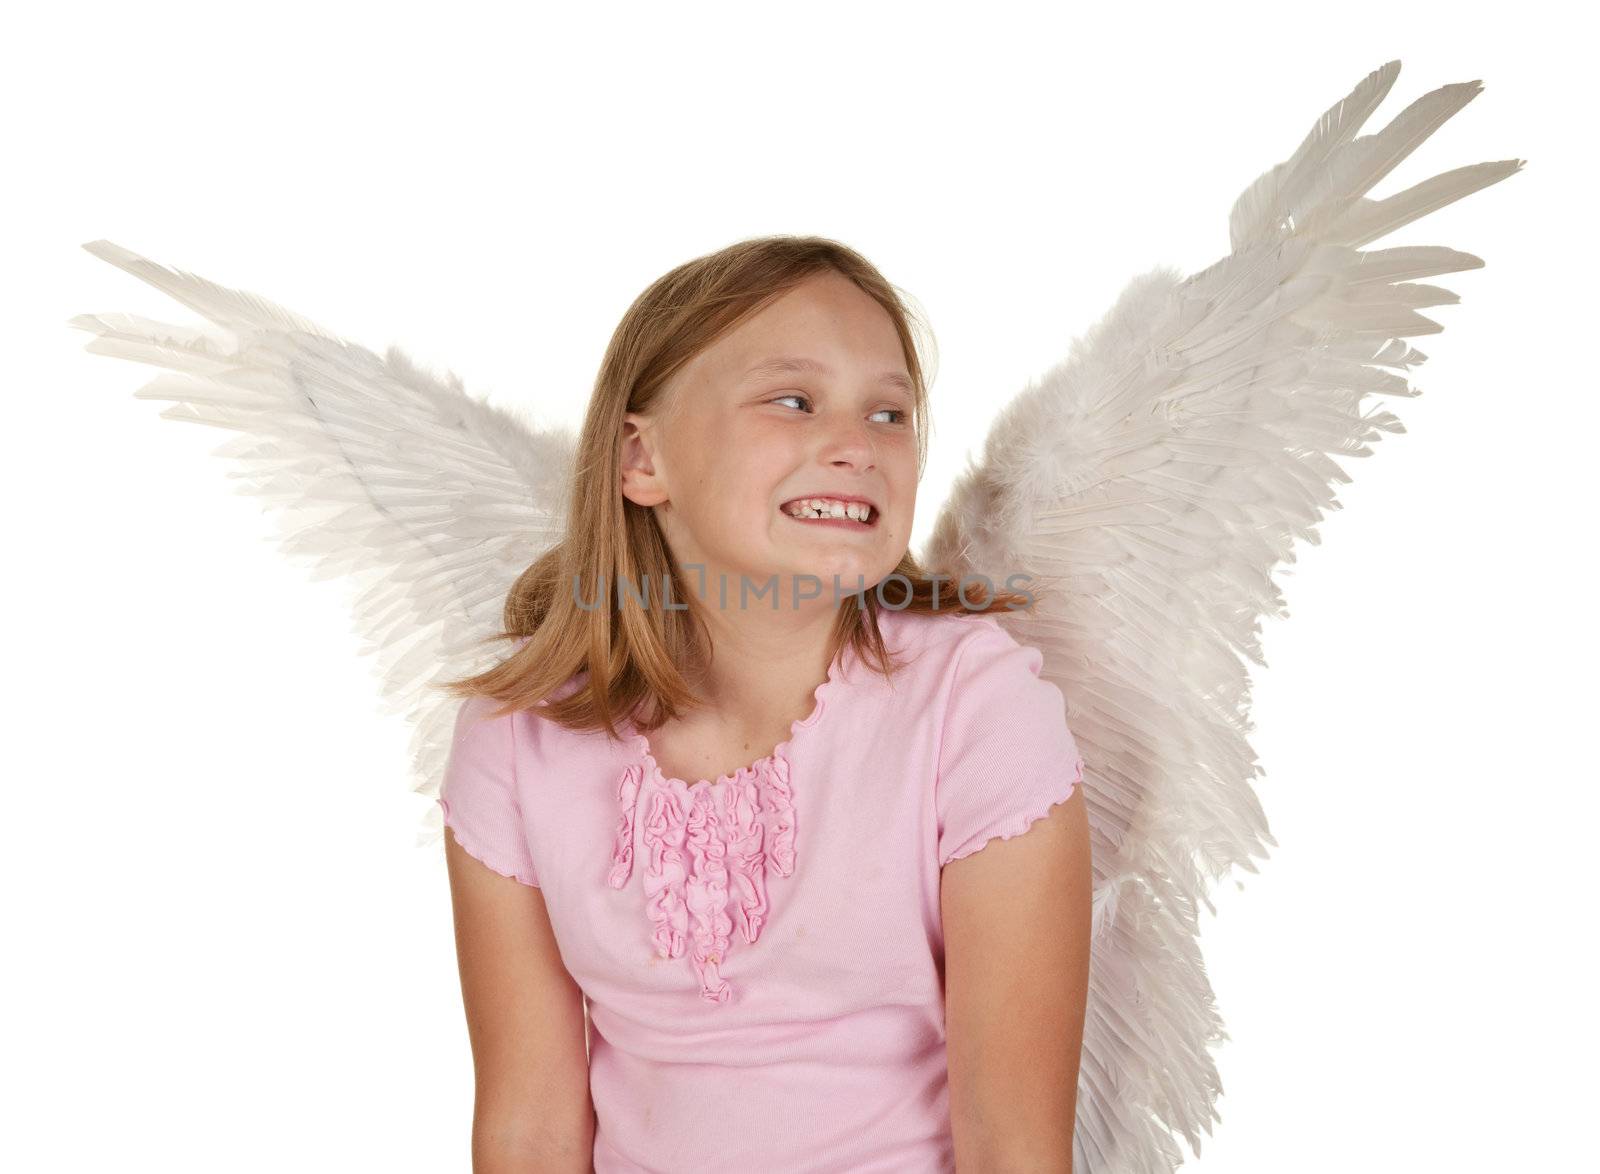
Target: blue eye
x=900 y=416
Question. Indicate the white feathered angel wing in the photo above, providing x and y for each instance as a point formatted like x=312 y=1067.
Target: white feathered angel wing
x=1151 y=483
x=431 y=500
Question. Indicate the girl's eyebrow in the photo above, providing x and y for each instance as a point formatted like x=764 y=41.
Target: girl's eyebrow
x=801 y=365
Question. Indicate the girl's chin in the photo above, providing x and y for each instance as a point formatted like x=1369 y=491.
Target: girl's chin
x=822 y=574
x=782 y=566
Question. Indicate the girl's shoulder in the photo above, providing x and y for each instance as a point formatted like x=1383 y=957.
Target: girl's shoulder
x=968 y=654
x=950 y=632
x=938 y=655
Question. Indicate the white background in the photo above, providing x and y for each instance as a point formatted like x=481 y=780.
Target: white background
x=226 y=952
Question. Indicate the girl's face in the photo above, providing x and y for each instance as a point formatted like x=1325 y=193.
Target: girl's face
x=737 y=444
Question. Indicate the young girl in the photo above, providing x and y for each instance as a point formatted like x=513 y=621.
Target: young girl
x=736 y=791
x=715 y=826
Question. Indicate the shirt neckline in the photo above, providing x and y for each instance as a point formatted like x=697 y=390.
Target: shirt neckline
x=819 y=704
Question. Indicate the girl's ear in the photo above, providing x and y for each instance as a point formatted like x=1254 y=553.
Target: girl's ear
x=642 y=482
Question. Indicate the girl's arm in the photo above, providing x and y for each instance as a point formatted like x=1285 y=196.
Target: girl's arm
x=1016 y=938
x=526 y=1026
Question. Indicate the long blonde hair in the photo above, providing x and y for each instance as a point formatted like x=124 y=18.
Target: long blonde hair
x=631 y=652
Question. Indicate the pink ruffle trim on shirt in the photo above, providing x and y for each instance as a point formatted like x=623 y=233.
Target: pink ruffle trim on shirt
x=478 y=850
x=707 y=843
x=1024 y=821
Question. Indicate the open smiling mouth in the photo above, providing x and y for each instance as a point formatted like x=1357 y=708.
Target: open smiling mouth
x=814 y=511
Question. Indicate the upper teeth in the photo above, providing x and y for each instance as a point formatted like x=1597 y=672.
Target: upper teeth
x=827 y=507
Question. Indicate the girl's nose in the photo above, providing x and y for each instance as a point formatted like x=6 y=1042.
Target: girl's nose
x=850 y=442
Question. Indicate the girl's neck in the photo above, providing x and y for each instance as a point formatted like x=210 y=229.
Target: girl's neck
x=765 y=666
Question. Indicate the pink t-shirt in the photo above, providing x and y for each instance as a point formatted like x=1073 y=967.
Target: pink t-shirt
x=762 y=953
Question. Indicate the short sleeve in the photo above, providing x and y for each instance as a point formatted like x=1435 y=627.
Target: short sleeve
x=479 y=792
x=1006 y=754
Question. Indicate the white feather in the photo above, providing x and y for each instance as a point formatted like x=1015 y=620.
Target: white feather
x=432 y=500
x=1151 y=484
